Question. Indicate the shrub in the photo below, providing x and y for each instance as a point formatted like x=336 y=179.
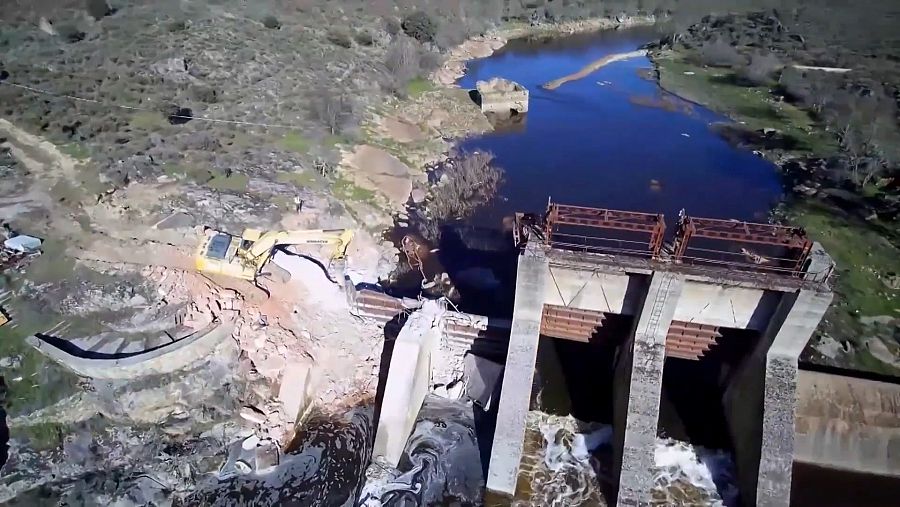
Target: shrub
x=720 y=53
x=402 y=58
x=365 y=38
x=450 y=34
x=70 y=32
x=470 y=181
x=271 y=22
x=97 y=8
x=420 y=26
x=392 y=26
x=761 y=70
x=179 y=25
x=795 y=86
x=339 y=36
x=205 y=94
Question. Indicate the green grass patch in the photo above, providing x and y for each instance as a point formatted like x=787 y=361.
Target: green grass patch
x=862 y=257
x=76 y=150
x=150 y=121
x=193 y=173
x=754 y=106
x=296 y=142
x=864 y=360
x=333 y=140
x=348 y=190
x=236 y=182
x=36 y=381
x=418 y=86
x=42 y=436
x=302 y=179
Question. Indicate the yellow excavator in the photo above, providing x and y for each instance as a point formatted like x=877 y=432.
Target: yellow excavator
x=245 y=256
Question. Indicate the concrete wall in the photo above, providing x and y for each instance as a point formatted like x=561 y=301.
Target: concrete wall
x=603 y=292
x=504 y=102
x=759 y=400
x=160 y=361
x=702 y=303
x=721 y=305
x=848 y=423
x=518 y=377
x=407 y=384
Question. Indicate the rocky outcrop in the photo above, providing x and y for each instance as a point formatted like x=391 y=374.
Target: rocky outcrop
x=376 y=170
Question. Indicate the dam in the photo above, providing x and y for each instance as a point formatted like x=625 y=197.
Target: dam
x=582 y=266
x=733 y=298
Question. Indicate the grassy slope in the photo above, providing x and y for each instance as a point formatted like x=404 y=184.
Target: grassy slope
x=863 y=257
x=753 y=106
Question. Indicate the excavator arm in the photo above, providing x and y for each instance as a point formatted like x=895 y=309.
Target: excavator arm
x=261 y=245
x=245 y=256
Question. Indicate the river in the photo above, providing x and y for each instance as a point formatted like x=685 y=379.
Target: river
x=591 y=142
x=614 y=139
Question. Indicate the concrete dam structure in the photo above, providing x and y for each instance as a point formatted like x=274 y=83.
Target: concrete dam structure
x=580 y=267
x=735 y=300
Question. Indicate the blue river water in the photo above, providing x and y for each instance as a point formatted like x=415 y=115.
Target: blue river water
x=588 y=143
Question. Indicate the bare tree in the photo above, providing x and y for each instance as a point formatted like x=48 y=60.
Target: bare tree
x=402 y=59
x=469 y=181
x=719 y=53
x=863 y=139
x=761 y=69
x=332 y=109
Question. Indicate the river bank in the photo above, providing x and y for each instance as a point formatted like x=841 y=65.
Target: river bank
x=422 y=128
x=855 y=224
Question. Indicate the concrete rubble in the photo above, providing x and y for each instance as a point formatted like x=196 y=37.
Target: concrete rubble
x=502 y=96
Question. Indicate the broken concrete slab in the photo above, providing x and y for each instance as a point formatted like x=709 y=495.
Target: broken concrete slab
x=268 y=456
x=197 y=347
x=252 y=415
x=177 y=220
x=482 y=376
x=408 y=381
x=295 y=390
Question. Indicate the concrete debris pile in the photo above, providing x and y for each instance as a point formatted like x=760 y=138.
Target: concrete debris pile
x=205 y=300
x=250 y=455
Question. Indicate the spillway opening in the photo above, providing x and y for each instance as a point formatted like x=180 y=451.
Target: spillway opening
x=576 y=377
x=692 y=407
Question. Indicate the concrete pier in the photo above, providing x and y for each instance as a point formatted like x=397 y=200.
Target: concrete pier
x=760 y=398
x=648 y=353
x=506 y=453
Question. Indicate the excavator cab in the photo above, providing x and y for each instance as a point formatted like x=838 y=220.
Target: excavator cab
x=218 y=254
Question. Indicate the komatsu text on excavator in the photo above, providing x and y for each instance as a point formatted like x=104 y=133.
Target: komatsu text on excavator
x=245 y=256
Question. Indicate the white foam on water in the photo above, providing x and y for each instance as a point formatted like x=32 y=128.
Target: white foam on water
x=708 y=471
x=569 y=469
x=566 y=473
